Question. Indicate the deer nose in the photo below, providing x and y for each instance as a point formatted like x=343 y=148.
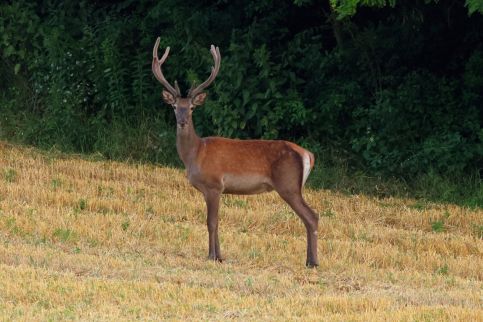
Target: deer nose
x=182 y=123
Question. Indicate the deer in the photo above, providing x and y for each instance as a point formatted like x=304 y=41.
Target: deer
x=218 y=165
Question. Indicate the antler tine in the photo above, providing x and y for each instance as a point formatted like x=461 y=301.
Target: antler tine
x=176 y=87
x=158 y=73
x=215 y=52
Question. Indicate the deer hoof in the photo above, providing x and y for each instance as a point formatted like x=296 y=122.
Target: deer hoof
x=312 y=264
x=215 y=258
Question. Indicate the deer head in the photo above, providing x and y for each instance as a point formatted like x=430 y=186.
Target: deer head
x=183 y=106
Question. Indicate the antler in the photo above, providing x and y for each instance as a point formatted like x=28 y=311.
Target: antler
x=156 y=66
x=215 y=52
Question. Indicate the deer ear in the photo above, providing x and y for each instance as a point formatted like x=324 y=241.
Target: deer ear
x=198 y=99
x=168 y=97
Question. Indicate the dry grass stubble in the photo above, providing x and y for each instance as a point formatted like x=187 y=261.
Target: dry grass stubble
x=105 y=240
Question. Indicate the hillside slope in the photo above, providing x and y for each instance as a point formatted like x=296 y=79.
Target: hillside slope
x=109 y=241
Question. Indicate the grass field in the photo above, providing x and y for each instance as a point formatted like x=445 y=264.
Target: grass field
x=109 y=241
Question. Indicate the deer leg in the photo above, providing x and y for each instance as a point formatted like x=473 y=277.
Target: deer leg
x=310 y=220
x=312 y=234
x=287 y=181
x=212 y=198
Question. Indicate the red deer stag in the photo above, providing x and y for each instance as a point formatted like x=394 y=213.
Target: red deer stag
x=217 y=165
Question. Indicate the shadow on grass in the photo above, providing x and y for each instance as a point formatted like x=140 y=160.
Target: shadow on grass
x=464 y=191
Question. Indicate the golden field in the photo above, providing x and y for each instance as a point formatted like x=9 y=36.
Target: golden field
x=109 y=241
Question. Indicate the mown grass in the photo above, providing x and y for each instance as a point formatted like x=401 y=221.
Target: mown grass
x=108 y=241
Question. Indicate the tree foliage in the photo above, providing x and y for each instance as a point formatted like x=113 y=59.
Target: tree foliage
x=347 y=8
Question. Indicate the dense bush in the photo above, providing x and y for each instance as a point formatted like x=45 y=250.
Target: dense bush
x=396 y=89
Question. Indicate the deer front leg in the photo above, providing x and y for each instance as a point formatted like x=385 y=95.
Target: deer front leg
x=212 y=198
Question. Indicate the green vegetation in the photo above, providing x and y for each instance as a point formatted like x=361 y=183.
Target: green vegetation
x=9 y=175
x=63 y=234
x=388 y=94
x=437 y=226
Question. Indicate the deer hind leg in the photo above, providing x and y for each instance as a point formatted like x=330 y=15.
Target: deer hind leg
x=287 y=179
x=212 y=198
x=310 y=220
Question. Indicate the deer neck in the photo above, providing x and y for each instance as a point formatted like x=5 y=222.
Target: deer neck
x=187 y=143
